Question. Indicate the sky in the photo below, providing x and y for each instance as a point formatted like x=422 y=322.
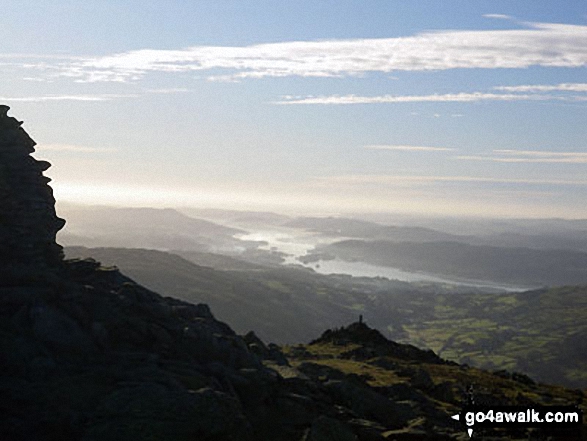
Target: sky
x=452 y=108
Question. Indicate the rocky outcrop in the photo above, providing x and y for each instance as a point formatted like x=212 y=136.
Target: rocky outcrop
x=28 y=223
x=373 y=344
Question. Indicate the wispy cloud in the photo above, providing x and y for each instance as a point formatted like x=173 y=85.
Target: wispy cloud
x=43 y=98
x=571 y=160
x=381 y=99
x=409 y=148
x=498 y=16
x=24 y=56
x=530 y=156
x=539 y=153
x=419 y=180
x=73 y=148
x=563 y=87
x=539 y=44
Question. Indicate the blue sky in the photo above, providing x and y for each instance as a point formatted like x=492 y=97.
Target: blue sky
x=442 y=108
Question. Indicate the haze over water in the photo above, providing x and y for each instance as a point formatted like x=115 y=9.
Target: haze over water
x=295 y=245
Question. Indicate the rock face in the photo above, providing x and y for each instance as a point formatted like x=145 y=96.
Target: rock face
x=28 y=223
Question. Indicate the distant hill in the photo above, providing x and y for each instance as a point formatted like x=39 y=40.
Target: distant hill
x=237 y=217
x=540 y=234
x=344 y=227
x=516 y=266
x=145 y=228
x=565 y=240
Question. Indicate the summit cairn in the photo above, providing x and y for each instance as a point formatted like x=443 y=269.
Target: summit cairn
x=28 y=222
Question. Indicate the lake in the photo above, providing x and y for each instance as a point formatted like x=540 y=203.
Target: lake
x=294 y=243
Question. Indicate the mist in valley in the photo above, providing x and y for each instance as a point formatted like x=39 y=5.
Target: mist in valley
x=465 y=251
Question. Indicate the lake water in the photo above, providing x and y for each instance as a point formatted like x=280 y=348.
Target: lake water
x=294 y=244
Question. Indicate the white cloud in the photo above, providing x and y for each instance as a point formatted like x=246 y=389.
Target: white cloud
x=450 y=97
x=563 y=87
x=498 y=16
x=408 y=148
x=540 y=44
x=73 y=148
x=38 y=99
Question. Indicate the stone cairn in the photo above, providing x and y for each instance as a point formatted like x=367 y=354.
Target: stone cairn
x=28 y=222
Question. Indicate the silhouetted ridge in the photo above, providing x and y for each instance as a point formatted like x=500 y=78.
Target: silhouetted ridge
x=28 y=223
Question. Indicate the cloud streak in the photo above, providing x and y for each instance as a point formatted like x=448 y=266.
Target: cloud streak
x=572 y=160
x=539 y=44
x=563 y=87
x=540 y=153
x=462 y=97
x=44 y=98
x=530 y=156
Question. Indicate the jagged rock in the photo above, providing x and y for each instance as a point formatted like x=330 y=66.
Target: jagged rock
x=276 y=355
x=270 y=352
x=28 y=222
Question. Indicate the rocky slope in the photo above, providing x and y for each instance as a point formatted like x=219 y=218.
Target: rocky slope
x=400 y=392
x=87 y=354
